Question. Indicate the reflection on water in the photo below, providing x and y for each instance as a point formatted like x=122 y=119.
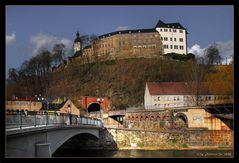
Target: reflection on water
x=143 y=153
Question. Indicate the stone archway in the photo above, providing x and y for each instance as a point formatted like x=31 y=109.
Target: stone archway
x=181 y=120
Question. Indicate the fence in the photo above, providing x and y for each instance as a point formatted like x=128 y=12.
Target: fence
x=20 y=120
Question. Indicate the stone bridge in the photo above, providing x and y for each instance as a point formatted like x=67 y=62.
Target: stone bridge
x=44 y=139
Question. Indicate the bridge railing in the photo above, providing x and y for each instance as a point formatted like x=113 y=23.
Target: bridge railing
x=21 y=120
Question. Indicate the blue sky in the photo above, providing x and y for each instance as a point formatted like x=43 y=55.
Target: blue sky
x=29 y=28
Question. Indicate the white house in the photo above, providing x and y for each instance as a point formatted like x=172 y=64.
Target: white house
x=173 y=36
x=178 y=94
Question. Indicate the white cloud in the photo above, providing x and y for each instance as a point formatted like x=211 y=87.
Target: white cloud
x=121 y=28
x=10 y=38
x=47 y=41
x=225 y=50
x=197 y=50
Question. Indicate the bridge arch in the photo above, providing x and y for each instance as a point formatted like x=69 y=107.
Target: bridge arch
x=94 y=107
x=57 y=143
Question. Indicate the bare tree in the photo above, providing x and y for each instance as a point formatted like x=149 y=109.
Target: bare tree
x=195 y=80
x=212 y=55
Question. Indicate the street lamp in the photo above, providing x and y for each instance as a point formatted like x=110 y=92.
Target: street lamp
x=100 y=100
x=69 y=112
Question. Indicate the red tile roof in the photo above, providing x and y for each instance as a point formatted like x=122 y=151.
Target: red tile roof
x=174 y=88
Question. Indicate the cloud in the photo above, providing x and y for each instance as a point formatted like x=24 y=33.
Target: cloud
x=225 y=50
x=197 y=50
x=41 y=40
x=10 y=38
x=121 y=28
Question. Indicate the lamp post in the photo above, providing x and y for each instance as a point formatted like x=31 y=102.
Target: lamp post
x=100 y=100
x=69 y=112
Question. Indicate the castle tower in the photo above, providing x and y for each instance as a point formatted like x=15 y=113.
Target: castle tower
x=77 y=43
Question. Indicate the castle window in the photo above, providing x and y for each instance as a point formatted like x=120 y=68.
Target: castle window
x=165 y=39
x=165 y=46
x=169 y=30
x=174 y=39
x=181 y=31
x=181 y=39
x=161 y=38
x=181 y=47
x=171 y=46
x=175 y=46
x=175 y=30
x=158 y=98
x=171 y=39
x=165 y=30
x=161 y=30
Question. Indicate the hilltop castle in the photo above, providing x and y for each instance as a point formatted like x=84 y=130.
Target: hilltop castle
x=162 y=39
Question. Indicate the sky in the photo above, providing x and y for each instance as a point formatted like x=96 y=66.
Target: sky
x=29 y=28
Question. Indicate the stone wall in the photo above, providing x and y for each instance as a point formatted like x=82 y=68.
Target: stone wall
x=141 y=139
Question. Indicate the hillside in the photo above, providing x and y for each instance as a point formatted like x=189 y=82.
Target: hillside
x=122 y=81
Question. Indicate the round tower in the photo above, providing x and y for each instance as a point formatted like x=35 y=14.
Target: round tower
x=77 y=43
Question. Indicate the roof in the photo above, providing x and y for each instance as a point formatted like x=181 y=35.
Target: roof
x=169 y=25
x=179 y=88
x=129 y=31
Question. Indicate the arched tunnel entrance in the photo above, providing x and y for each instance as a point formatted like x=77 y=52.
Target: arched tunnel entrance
x=94 y=107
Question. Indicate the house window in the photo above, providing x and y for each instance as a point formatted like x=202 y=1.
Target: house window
x=174 y=30
x=175 y=46
x=165 y=39
x=174 y=39
x=178 y=98
x=158 y=98
x=181 y=39
x=165 y=30
x=161 y=30
x=171 y=46
x=171 y=39
x=181 y=31
x=165 y=46
x=181 y=47
x=209 y=97
x=174 y=98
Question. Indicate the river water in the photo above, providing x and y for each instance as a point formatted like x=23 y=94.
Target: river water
x=145 y=153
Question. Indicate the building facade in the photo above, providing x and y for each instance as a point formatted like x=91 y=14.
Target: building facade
x=178 y=94
x=147 y=43
x=23 y=105
x=173 y=36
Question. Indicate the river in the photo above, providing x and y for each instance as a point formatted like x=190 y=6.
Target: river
x=145 y=153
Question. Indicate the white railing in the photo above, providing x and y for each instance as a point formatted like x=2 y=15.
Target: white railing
x=21 y=120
